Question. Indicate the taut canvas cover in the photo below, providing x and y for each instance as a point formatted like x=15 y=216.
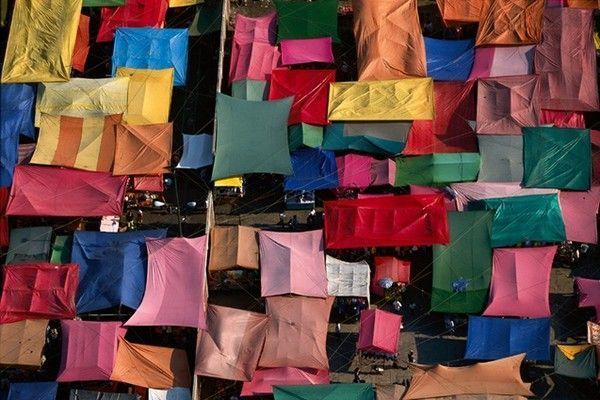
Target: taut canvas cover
x=176 y=285
x=499 y=377
x=338 y=137
x=152 y=48
x=32 y=390
x=391 y=100
x=299 y=19
x=449 y=60
x=143 y=149
x=233 y=247
x=507 y=104
x=302 y=51
x=579 y=211
x=379 y=331
x=513 y=22
x=232 y=355
x=459 y=11
x=566 y=61
x=521 y=282
x=389 y=267
x=386 y=221
x=473 y=191
x=292 y=262
x=79 y=394
x=54 y=192
x=22 y=343
x=41 y=41
x=38 y=291
x=389 y=43
x=264 y=379
x=491 y=338
x=29 y=244
x=347 y=278
x=88 y=350
x=501 y=158
x=338 y=391
x=151 y=366
x=112 y=268
x=82 y=44
x=462 y=269
x=496 y=61
x=314 y=169
x=589 y=294
x=436 y=169
x=197 y=151
x=297 y=332
x=576 y=361
x=134 y=13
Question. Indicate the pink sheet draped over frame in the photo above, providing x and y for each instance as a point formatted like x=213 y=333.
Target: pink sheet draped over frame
x=361 y=171
x=379 y=331
x=300 y=51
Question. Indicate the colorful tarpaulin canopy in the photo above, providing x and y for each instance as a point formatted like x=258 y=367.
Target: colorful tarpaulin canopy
x=491 y=338
x=79 y=394
x=233 y=247
x=88 y=350
x=557 y=158
x=305 y=135
x=152 y=48
x=501 y=158
x=347 y=278
x=148 y=96
x=579 y=211
x=47 y=191
x=521 y=282
x=462 y=269
x=230 y=346
x=389 y=267
x=566 y=61
x=389 y=43
x=251 y=137
x=338 y=391
x=264 y=379
x=379 y=331
x=459 y=11
x=32 y=390
x=496 y=61
x=297 y=332
x=38 y=291
x=170 y=394
x=386 y=221
x=151 y=366
x=299 y=19
x=314 y=169
x=436 y=168
x=589 y=294
x=495 y=378
x=516 y=22
x=338 y=137
x=29 y=244
x=197 y=151
x=576 y=361
x=135 y=13
x=361 y=171
x=41 y=41
x=392 y=100
x=301 y=51
x=112 y=268
x=449 y=60
x=292 y=262
x=22 y=343
x=473 y=191
x=143 y=149
x=82 y=44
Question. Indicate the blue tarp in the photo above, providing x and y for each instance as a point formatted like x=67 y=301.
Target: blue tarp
x=16 y=118
x=313 y=169
x=334 y=139
x=491 y=338
x=449 y=60
x=112 y=268
x=197 y=151
x=33 y=391
x=152 y=48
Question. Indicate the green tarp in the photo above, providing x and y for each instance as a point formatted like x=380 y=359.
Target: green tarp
x=301 y=135
x=335 y=140
x=462 y=269
x=252 y=137
x=61 y=249
x=436 y=169
x=583 y=366
x=524 y=218
x=340 y=391
x=559 y=158
x=300 y=19
x=29 y=245
x=103 y=3
x=248 y=89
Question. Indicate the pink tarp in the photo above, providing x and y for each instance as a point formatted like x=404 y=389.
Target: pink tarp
x=176 y=286
x=521 y=282
x=448 y=198
x=264 y=379
x=496 y=61
x=379 y=331
x=61 y=192
x=88 y=350
x=389 y=267
x=579 y=211
x=472 y=191
x=589 y=294
x=300 y=51
x=292 y=262
x=253 y=50
x=360 y=171
x=566 y=61
x=562 y=119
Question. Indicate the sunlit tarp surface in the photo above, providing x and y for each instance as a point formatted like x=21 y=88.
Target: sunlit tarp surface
x=148 y=96
x=82 y=44
x=495 y=61
x=313 y=169
x=299 y=19
x=197 y=151
x=579 y=211
x=379 y=331
x=134 y=13
x=513 y=22
x=347 y=278
x=436 y=168
x=233 y=247
x=29 y=244
x=22 y=343
x=264 y=379
x=501 y=158
x=449 y=60
x=143 y=149
x=338 y=391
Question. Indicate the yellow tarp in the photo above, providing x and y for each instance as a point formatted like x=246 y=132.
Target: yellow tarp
x=571 y=350
x=391 y=100
x=184 y=3
x=596 y=41
x=41 y=41
x=235 y=181
x=149 y=96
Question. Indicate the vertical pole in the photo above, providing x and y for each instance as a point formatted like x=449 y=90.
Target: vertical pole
x=178 y=204
x=222 y=39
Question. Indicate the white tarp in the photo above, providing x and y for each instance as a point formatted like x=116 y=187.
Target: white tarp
x=347 y=278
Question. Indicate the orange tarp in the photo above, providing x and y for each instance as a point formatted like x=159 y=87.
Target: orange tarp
x=233 y=247
x=583 y=3
x=143 y=149
x=21 y=343
x=513 y=22
x=82 y=44
x=459 y=11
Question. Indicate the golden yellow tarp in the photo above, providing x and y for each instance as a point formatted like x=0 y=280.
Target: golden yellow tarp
x=596 y=41
x=234 y=181
x=391 y=100
x=184 y=3
x=41 y=41
x=149 y=95
x=571 y=350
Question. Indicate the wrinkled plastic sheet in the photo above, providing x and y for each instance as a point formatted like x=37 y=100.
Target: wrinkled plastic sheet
x=517 y=22
x=449 y=60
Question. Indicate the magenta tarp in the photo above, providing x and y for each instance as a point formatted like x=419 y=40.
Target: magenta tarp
x=589 y=294
x=300 y=51
x=495 y=61
x=61 y=192
x=472 y=191
x=579 y=210
x=292 y=262
x=176 y=286
x=360 y=171
x=264 y=379
x=379 y=331
x=88 y=350
x=521 y=282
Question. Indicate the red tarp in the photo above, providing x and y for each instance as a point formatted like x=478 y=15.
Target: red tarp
x=134 y=14
x=379 y=331
x=562 y=119
x=448 y=197
x=60 y=192
x=38 y=291
x=450 y=131
x=386 y=221
x=3 y=217
x=389 y=267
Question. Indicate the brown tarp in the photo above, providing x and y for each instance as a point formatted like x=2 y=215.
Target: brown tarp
x=459 y=11
x=583 y=4
x=389 y=43
x=151 y=366
x=501 y=377
x=389 y=392
x=143 y=149
x=230 y=346
x=232 y=247
x=513 y=22
x=21 y=343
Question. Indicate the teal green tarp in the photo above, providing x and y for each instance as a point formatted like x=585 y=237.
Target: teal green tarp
x=340 y=391
x=462 y=269
x=435 y=169
x=249 y=89
x=301 y=135
x=336 y=140
x=300 y=19
x=103 y=3
x=61 y=249
x=583 y=366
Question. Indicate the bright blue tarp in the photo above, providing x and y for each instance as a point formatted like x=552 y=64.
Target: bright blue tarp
x=33 y=391
x=112 y=268
x=449 y=60
x=491 y=338
x=152 y=48
x=313 y=169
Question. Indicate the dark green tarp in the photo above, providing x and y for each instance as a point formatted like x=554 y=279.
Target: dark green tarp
x=61 y=249
x=103 y=3
x=208 y=18
x=340 y=391
x=29 y=245
x=462 y=269
x=583 y=366
x=436 y=169
x=300 y=19
x=301 y=135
